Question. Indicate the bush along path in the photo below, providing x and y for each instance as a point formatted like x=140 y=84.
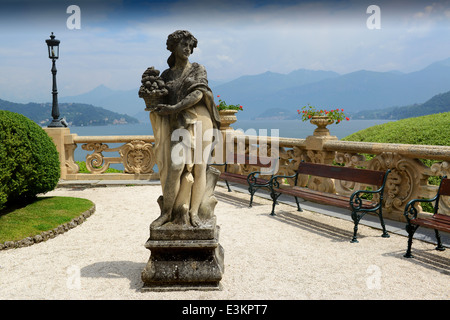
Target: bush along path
x=29 y=161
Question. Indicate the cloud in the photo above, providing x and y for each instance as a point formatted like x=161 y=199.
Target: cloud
x=118 y=40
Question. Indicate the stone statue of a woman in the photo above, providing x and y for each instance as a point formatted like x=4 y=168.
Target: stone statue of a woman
x=188 y=108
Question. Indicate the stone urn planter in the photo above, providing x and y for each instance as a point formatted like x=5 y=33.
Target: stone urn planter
x=321 y=122
x=227 y=117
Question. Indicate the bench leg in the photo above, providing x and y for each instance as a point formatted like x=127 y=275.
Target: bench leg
x=411 y=230
x=252 y=192
x=274 y=197
x=228 y=186
x=298 y=205
x=385 y=234
x=355 y=219
x=439 y=247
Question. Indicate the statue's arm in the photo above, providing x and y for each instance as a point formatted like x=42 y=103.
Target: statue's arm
x=190 y=100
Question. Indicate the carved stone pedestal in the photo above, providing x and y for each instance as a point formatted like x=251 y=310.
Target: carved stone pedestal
x=184 y=258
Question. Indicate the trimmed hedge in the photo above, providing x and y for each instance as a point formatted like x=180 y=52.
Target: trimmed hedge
x=29 y=161
x=433 y=129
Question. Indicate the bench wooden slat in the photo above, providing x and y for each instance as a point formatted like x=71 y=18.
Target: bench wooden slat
x=445 y=188
x=432 y=224
x=370 y=177
x=440 y=220
x=317 y=196
x=235 y=177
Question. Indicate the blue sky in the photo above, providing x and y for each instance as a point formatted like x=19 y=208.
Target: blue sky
x=119 y=39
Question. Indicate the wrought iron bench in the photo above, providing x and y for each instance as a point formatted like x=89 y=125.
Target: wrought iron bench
x=358 y=206
x=254 y=179
x=438 y=221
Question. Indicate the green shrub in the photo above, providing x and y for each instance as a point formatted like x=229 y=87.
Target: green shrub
x=29 y=161
x=432 y=129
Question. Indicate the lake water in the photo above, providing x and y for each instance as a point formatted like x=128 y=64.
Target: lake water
x=286 y=128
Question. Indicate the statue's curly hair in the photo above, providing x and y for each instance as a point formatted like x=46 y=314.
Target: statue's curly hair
x=174 y=38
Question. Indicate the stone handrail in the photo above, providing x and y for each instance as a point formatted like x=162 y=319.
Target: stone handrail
x=408 y=178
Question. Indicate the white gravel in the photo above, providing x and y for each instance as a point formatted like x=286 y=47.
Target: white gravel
x=295 y=255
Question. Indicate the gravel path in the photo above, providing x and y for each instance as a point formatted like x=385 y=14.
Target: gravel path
x=294 y=255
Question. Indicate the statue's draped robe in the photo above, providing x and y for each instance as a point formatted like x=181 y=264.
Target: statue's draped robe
x=194 y=78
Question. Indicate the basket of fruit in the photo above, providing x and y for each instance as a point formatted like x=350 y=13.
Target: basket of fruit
x=153 y=89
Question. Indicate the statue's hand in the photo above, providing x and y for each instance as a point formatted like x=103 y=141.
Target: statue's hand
x=164 y=109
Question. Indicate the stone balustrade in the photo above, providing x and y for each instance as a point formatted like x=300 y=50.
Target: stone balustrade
x=135 y=154
x=408 y=178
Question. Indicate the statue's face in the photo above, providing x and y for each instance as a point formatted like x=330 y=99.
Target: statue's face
x=183 y=49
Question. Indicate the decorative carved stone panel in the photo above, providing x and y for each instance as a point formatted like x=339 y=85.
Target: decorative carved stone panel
x=138 y=157
x=405 y=181
x=349 y=160
x=95 y=162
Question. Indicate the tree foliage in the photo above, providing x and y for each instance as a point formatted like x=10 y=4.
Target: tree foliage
x=76 y=114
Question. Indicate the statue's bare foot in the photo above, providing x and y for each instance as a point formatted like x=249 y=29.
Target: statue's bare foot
x=163 y=218
x=195 y=220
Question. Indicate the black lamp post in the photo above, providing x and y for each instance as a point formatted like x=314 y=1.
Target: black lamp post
x=53 y=53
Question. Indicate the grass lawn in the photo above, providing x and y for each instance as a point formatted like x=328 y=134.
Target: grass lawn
x=44 y=214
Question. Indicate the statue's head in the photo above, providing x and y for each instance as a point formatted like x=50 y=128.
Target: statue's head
x=177 y=36
x=174 y=38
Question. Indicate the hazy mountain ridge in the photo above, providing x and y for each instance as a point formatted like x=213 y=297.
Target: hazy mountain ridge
x=271 y=95
x=437 y=104
x=355 y=91
x=76 y=114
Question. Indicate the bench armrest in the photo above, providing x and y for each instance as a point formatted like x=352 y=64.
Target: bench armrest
x=274 y=180
x=410 y=211
x=356 y=201
x=410 y=208
x=252 y=178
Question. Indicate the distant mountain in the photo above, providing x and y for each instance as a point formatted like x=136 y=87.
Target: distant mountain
x=242 y=90
x=273 y=95
x=438 y=104
x=120 y=101
x=252 y=91
x=358 y=91
x=268 y=83
x=76 y=114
